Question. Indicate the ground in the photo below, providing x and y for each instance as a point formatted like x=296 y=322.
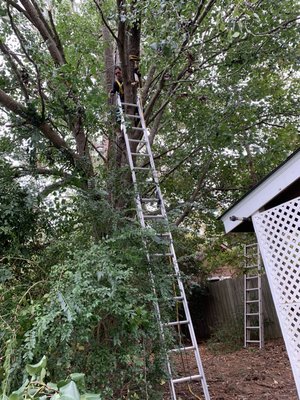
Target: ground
x=247 y=374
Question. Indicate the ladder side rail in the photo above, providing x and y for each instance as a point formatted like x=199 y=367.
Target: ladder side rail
x=245 y=311
x=260 y=308
x=246 y=307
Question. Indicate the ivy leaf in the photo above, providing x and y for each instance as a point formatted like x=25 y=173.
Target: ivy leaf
x=18 y=394
x=35 y=369
x=78 y=378
x=52 y=385
x=69 y=392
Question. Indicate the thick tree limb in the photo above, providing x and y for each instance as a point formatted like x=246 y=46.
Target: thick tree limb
x=45 y=32
x=20 y=9
x=54 y=186
x=55 y=35
x=10 y=104
x=23 y=171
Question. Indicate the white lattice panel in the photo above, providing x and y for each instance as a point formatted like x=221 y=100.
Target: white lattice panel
x=278 y=235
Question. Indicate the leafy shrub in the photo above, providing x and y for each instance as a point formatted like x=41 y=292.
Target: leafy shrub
x=35 y=387
x=95 y=315
x=227 y=337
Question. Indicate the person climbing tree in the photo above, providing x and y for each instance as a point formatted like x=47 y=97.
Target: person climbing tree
x=118 y=84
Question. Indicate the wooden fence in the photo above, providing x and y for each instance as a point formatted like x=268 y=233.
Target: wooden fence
x=223 y=304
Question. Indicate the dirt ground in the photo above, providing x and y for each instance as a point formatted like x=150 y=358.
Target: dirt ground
x=247 y=374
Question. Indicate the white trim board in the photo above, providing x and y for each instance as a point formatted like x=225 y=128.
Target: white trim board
x=269 y=188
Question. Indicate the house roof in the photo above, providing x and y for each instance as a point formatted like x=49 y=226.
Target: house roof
x=280 y=185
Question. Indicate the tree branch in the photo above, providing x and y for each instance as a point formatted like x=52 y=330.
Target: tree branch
x=20 y=9
x=20 y=38
x=22 y=171
x=194 y=195
x=283 y=25
x=44 y=30
x=34 y=119
x=5 y=50
x=55 y=35
x=105 y=22
x=54 y=186
x=147 y=84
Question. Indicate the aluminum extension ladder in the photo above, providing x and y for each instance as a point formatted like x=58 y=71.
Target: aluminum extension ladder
x=253 y=315
x=152 y=216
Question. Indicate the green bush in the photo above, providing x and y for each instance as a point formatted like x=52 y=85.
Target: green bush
x=36 y=387
x=93 y=313
x=227 y=337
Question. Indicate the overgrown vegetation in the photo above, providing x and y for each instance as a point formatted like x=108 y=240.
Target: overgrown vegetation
x=228 y=336
x=36 y=386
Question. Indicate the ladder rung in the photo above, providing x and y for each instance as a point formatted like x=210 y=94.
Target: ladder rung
x=252 y=327
x=176 y=276
x=187 y=379
x=137 y=141
x=252 y=277
x=162 y=254
x=129 y=104
x=178 y=298
x=253 y=313
x=136 y=128
x=142 y=168
x=149 y=200
x=188 y=348
x=174 y=323
x=252 y=301
x=158 y=216
x=141 y=154
x=252 y=341
x=132 y=116
x=251 y=289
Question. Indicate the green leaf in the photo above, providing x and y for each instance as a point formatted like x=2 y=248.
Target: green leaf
x=90 y=396
x=18 y=394
x=35 y=369
x=43 y=374
x=78 y=378
x=56 y=396
x=236 y=34
x=69 y=392
x=52 y=385
x=63 y=383
x=15 y=396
